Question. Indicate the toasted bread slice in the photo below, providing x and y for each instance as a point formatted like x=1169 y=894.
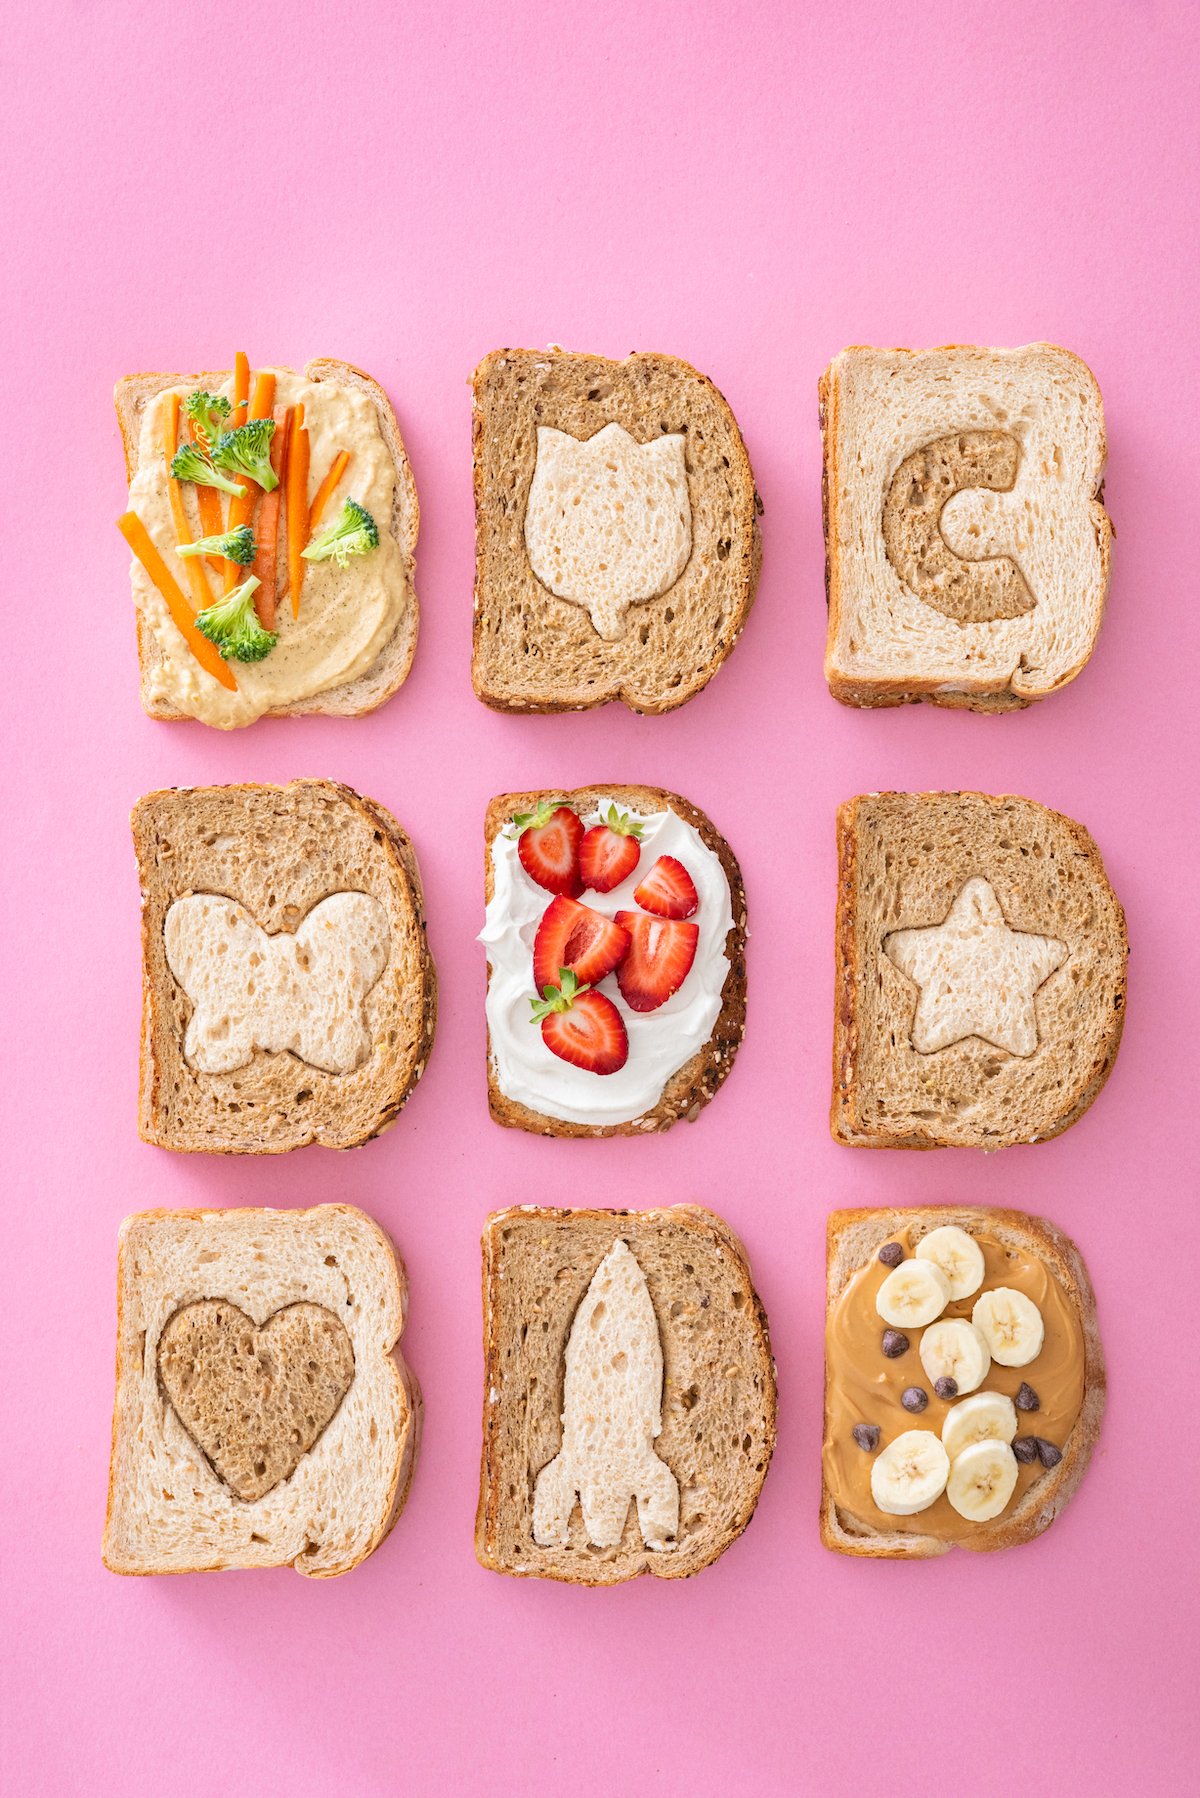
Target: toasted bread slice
x=389 y=671
x=1015 y=992
x=339 y=1428
x=997 y=600
x=273 y=855
x=536 y=651
x=689 y=1086
x=710 y=1371
x=853 y=1241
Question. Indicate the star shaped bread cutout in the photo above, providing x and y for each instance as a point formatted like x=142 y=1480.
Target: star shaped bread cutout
x=976 y=976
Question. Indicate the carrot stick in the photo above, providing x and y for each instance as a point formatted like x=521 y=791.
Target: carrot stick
x=142 y=545
x=197 y=579
x=267 y=537
x=241 y=511
x=241 y=393
x=341 y=463
x=297 y=506
x=212 y=518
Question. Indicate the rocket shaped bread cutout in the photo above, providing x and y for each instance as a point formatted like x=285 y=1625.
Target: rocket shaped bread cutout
x=612 y=1413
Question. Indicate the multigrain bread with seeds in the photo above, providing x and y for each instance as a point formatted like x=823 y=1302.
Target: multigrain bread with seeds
x=981 y=971
x=538 y=651
x=268 y=858
x=716 y=1378
x=687 y=1086
x=1013 y=1239
x=388 y=672
x=227 y=1451
x=967 y=546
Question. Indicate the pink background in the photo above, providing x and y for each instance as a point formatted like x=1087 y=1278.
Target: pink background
x=751 y=188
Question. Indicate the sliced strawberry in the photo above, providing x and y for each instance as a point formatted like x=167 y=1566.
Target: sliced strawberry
x=574 y=936
x=661 y=953
x=582 y=1027
x=549 y=847
x=609 y=852
x=668 y=890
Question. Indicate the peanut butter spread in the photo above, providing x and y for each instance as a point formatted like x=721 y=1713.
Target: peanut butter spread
x=863 y=1385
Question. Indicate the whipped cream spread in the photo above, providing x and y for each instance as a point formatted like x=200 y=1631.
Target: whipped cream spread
x=525 y=1070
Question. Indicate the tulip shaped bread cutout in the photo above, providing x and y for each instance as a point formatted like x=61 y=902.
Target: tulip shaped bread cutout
x=289 y=995
x=264 y=1416
x=967 y=548
x=981 y=971
x=629 y=1400
x=964 y=1380
x=617 y=539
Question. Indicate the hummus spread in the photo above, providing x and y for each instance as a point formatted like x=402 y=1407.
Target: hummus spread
x=346 y=615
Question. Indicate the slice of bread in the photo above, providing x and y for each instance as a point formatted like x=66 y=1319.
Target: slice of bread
x=717 y=1391
x=278 y=852
x=853 y=1240
x=389 y=671
x=206 y=1303
x=690 y=1086
x=1025 y=941
x=537 y=652
x=997 y=600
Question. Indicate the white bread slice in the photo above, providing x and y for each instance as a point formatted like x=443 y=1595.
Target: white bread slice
x=535 y=651
x=389 y=671
x=853 y=1238
x=718 y=1386
x=905 y=861
x=908 y=431
x=169 y=1511
x=279 y=852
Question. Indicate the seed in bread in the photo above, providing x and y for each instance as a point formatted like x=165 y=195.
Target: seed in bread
x=980 y=971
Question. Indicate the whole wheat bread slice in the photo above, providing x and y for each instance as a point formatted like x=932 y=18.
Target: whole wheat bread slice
x=169 y=1510
x=718 y=1401
x=903 y=860
x=535 y=652
x=389 y=671
x=854 y=1238
x=279 y=851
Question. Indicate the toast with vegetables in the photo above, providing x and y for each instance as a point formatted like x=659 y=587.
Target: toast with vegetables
x=964 y=1380
x=616 y=943
x=273 y=523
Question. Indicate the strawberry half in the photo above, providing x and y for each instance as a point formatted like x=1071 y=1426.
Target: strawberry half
x=609 y=851
x=660 y=956
x=582 y=1027
x=574 y=936
x=668 y=890
x=549 y=846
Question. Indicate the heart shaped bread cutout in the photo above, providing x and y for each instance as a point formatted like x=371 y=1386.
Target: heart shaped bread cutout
x=255 y=1398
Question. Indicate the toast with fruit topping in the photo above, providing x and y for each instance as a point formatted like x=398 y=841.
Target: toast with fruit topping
x=617 y=543
x=964 y=1380
x=615 y=935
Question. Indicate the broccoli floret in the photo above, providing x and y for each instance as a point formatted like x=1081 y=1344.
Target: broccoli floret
x=232 y=624
x=209 y=412
x=353 y=535
x=189 y=465
x=247 y=450
x=233 y=546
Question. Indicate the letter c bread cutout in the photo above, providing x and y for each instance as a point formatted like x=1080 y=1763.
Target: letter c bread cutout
x=971 y=592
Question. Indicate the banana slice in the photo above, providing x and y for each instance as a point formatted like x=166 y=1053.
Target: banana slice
x=954 y=1349
x=910 y=1473
x=913 y=1294
x=987 y=1417
x=958 y=1255
x=1011 y=1324
x=981 y=1480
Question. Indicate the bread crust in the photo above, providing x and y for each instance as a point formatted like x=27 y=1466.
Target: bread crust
x=390 y=669
x=692 y=1086
x=852 y=1238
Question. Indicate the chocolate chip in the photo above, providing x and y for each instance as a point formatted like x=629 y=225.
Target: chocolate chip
x=1027 y=1398
x=891 y=1254
x=946 y=1387
x=1047 y=1454
x=894 y=1343
x=914 y=1398
x=1025 y=1448
x=867 y=1436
